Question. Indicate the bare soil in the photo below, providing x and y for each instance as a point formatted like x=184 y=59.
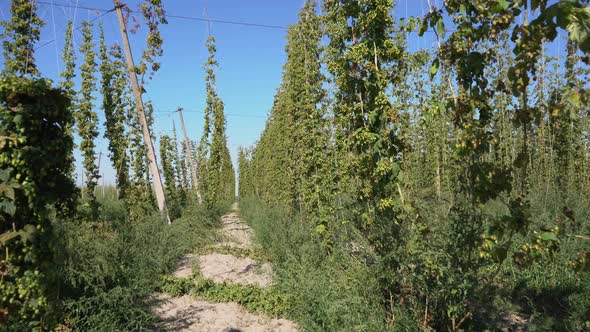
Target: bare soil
x=185 y=267
x=235 y=232
x=186 y=313
x=245 y=271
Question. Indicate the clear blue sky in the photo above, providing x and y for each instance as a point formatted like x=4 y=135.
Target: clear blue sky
x=251 y=59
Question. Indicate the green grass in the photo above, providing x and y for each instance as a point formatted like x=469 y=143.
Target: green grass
x=326 y=292
x=267 y=300
x=549 y=292
x=340 y=291
x=109 y=268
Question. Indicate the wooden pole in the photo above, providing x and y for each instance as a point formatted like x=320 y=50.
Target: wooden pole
x=147 y=138
x=194 y=175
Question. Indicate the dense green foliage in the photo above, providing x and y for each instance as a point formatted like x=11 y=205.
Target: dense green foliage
x=216 y=172
x=86 y=117
x=67 y=84
x=180 y=170
x=114 y=104
x=112 y=268
x=34 y=156
x=19 y=37
x=90 y=272
x=326 y=291
x=170 y=163
x=154 y=14
x=89 y=264
x=461 y=173
x=292 y=152
x=140 y=197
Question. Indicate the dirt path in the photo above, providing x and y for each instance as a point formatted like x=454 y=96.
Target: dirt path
x=186 y=313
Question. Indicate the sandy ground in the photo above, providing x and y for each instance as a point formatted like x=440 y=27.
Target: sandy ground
x=235 y=232
x=185 y=267
x=189 y=314
x=245 y=271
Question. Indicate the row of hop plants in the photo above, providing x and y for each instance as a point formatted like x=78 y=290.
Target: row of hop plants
x=34 y=155
x=215 y=174
x=39 y=201
x=35 y=148
x=454 y=163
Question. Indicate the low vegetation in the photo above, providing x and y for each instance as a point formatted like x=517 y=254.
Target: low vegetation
x=109 y=269
x=267 y=300
x=327 y=291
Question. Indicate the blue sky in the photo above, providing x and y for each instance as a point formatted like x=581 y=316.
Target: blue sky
x=251 y=59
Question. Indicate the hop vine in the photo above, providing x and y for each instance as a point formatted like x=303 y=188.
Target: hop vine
x=19 y=37
x=86 y=117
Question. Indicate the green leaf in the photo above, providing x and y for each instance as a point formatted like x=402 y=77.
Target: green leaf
x=411 y=25
x=440 y=27
x=28 y=232
x=7 y=191
x=18 y=118
x=434 y=68
x=548 y=236
x=423 y=27
x=320 y=229
x=579 y=27
x=463 y=8
x=500 y=253
x=8 y=207
x=520 y=160
x=4 y=175
x=498 y=7
x=574 y=99
x=476 y=62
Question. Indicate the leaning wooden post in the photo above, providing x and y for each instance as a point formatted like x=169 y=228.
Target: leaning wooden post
x=147 y=138
x=194 y=175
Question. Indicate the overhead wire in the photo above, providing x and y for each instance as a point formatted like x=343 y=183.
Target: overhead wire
x=183 y=17
x=57 y=63
x=201 y=112
x=206 y=19
x=270 y=26
x=76 y=28
x=75 y=11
